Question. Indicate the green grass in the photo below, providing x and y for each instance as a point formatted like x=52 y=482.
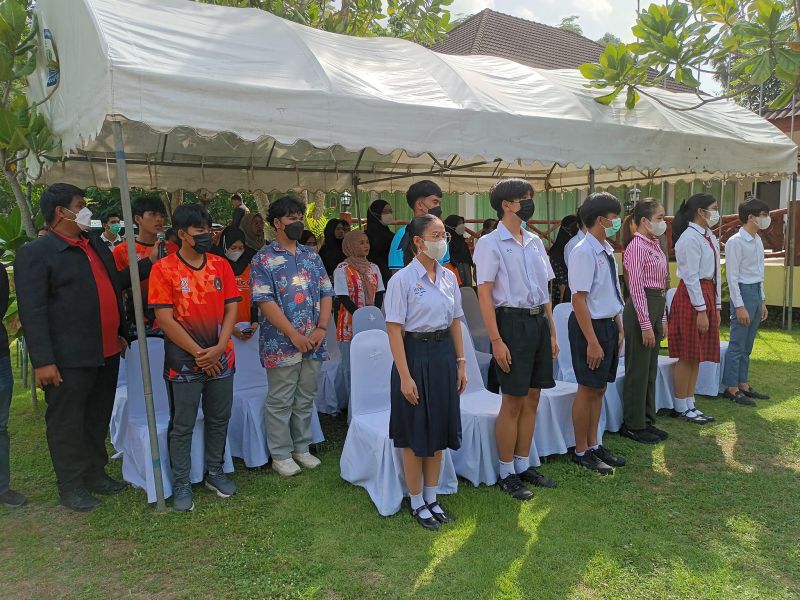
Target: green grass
x=710 y=514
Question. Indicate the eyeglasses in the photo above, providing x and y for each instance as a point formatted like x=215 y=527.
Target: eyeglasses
x=435 y=237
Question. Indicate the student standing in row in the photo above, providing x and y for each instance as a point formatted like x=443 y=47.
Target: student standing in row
x=424 y=197
x=695 y=313
x=744 y=268
x=379 y=217
x=231 y=246
x=513 y=275
x=423 y=319
x=575 y=240
x=595 y=327
x=194 y=295
x=645 y=322
x=112 y=225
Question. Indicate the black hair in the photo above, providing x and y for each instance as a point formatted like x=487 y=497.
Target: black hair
x=488 y=222
x=422 y=189
x=109 y=215
x=566 y=232
x=145 y=204
x=417 y=227
x=752 y=206
x=454 y=221
x=190 y=215
x=688 y=210
x=171 y=235
x=42 y=228
x=236 y=197
x=645 y=209
x=599 y=204
x=58 y=194
x=508 y=189
x=305 y=236
x=580 y=222
x=283 y=207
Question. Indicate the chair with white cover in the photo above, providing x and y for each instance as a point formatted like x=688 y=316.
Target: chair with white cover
x=368 y=317
x=327 y=399
x=474 y=318
x=477 y=459
x=369 y=458
x=561 y=313
x=120 y=396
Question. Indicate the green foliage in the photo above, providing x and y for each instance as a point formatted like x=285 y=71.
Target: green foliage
x=609 y=38
x=570 y=23
x=760 y=39
x=12 y=237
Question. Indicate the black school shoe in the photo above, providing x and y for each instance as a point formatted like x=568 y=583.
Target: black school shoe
x=751 y=393
x=513 y=486
x=608 y=457
x=738 y=397
x=79 y=500
x=532 y=476
x=662 y=435
x=103 y=484
x=643 y=436
x=590 y=461
x=430 y=523
x=443 y=517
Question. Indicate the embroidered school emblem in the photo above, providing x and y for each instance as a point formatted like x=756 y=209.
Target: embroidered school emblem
x=185 y=285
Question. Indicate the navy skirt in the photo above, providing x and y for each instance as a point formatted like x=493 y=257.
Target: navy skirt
x=435 y=422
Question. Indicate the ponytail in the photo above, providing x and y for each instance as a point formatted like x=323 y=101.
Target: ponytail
x=687 y=211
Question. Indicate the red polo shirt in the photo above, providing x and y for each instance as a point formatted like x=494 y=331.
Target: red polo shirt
x=109 y=309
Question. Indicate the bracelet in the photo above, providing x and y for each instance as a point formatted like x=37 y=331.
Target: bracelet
x=495 y=339
x=461 y=360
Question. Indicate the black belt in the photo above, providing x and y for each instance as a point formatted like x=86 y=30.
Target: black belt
x=428 y=336
x=523 y=312
x=656 y=291
x=605 y=320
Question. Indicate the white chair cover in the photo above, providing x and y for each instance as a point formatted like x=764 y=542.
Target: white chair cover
x=116 y=416
x=472 y=314
x=369 y=458
x=561 y=313
x=368 y=317
x=327 y=400
x=554 y=431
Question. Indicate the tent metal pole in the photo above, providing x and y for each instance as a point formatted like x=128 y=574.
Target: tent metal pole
x=791 y=250
x=591 y=180
x=130 y=241
x=357 y=199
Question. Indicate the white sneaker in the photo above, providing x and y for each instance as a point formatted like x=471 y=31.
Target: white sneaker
x=307 y=460
x=286 y=467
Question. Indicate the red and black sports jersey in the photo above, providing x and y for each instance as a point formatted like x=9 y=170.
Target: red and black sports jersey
x=197 y=298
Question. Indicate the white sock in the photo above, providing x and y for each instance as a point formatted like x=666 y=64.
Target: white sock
x=580 y=453
x=521 y=464
x=680 y=405
x=595 y=447
x=429 y=494
x=506 y=469
x=418 y=500
x=690 y=403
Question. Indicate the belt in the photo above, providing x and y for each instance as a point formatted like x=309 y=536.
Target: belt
x=428 y=336
x=605 y=320
x=657 y=291
x=525 y=312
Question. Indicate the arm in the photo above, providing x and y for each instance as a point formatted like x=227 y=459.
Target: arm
x=317 y=336
x=594 y=352
x=32 y=279
x=209 y=357
x=407 y=385
x=458 y=344
x=718 y=277
x=175 y=331
x=348 y=303
x=4 y=291
x=548 y=309
x=273 y=313
x=632 y=260
x=486 y=267
x=733 y=260
x=378 y=299
x=688 y=253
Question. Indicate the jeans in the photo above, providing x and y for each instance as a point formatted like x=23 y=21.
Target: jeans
x=287 y=413
x=737 y=360
x=184 y=400
x=6 y=389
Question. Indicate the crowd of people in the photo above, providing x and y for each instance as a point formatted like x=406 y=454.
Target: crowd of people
x=205 y=287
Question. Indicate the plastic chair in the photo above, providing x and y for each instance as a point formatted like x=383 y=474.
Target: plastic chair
x=472 y=314
x=368 y=317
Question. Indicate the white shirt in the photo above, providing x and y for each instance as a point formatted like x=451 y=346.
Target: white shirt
x=590 y=271
x=519 y=272
x=573 y=241
x=744 y=263
x=697 y=260
x=419 y=304
x=111 y=243
x=340 y=287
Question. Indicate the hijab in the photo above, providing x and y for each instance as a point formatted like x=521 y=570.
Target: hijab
x=351 y=246
x=229 y=236
x=331 y=250
x=380 y=238
x=254 y=241
x=459 y=251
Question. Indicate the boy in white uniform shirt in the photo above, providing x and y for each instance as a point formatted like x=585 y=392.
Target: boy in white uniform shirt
x=595 y=328
x=744 y=266
x=513 y=272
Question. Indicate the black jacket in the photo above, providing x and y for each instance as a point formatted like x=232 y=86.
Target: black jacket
x=4 y=296
x=58 y=303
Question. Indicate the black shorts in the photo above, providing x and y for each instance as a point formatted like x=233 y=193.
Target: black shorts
x=528 y=341
x=607 y=335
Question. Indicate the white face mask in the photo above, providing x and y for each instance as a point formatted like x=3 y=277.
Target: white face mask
x=83 y=218
x=234 y=255
x=713 y=217
x=436 y=250
x=460 y=230
x=764 y=222
x=387 y=218
x=658 y=228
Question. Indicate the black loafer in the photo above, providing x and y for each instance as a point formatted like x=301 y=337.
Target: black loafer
x=105 y=485
x=751 y=393
x=533 y=477
x=430 y=523
x=513 y=486
x=662 y=435
x=591 y=462
x=79 y=500
x=739 y=398
x=443 y=517
x=643 y=436
x=608 y=457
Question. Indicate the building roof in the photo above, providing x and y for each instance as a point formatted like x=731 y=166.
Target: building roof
x=782 y=113
x=527 y=42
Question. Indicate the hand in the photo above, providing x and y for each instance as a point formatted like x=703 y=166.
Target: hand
x=254 y=327
x=554 y=346
x=502 y=355
x=620 y=341
x=237 y=333
x=743 y=316
x=702 y=322
x=214 y=370
x=47 y=375
x=409 y=390
x=594 y=355
x=648 y=338
x=301 y=342
x=317 y=337
x=462 y=377
x=154 y=252
x=719 y=316
x=764 y=312
x=123 y=346
x=665 y=328
x=208 y=356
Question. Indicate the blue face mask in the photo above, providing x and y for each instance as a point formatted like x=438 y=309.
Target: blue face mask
x=616 y=224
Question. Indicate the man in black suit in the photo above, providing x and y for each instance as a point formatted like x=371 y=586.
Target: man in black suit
x=69 y=299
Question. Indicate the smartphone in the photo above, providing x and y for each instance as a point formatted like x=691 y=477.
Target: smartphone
x=248 y=331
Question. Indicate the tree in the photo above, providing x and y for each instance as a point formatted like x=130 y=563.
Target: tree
x=609 y=38
x=570 y=23
x=759 y=38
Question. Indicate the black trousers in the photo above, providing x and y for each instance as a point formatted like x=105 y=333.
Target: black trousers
x=77 y=418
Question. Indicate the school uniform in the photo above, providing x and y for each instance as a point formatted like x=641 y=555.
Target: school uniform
x=573 y=241
x=646 y=266
x=426 y=310
x=697 y=255
x=520 y=273
x=744 y=268
x=593 y=269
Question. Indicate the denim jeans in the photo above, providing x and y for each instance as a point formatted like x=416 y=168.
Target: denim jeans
x=6 y=389
x=737 y=360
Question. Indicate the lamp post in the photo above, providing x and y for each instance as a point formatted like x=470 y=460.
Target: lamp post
x=345 y=200
x=633 y=198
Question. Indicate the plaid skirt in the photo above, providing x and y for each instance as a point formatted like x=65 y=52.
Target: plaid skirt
x=685 y=342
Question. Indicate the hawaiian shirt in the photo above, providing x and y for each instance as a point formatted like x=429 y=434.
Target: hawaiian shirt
x=296 y=283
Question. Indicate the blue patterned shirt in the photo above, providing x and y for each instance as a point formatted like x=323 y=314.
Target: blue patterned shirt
x=296 y=283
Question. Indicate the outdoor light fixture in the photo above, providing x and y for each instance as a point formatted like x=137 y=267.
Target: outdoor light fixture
x=345 y=200
x=633 y=198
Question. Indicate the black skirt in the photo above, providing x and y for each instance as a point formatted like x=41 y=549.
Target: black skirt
x=435 y=422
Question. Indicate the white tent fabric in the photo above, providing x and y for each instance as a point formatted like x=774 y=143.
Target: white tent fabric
x=222 y=98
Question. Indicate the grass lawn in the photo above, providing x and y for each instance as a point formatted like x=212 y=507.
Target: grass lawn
x=713 y=513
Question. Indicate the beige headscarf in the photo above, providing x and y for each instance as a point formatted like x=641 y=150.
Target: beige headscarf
x=252 y=240
x=351 y=246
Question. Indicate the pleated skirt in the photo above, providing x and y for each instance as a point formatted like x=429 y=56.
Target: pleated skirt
x=685 y=341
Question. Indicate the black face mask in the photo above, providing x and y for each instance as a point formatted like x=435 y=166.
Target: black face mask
x=436 y=211
x=526 y=208
x=202 y=242
x=294 y=231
